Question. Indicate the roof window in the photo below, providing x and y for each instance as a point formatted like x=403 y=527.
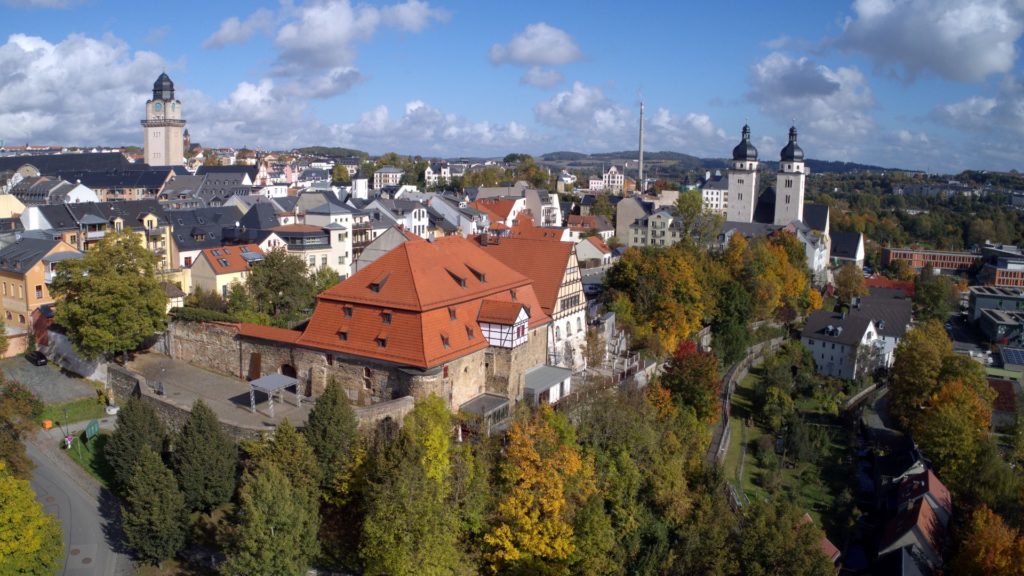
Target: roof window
x=458 y=279
x=480 y=276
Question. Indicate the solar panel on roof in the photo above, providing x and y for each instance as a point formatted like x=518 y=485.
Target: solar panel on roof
x=1014 y=355
x=252 y=256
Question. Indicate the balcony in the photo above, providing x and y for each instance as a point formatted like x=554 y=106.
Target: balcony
x=95 y=234
x=48 y=276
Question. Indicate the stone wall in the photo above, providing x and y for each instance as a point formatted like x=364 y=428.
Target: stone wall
x=506 y=368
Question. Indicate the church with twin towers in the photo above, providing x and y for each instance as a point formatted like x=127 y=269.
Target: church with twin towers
x=790 y=182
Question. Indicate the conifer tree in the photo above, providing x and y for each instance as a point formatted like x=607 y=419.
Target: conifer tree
x=138 y=427
x=333 y=434
x=155 y=519
x=205 y=459
x=270 y=533
x=31 y=542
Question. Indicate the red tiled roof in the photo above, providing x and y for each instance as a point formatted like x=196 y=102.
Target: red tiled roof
x=496 y=207
x=883 y=282
x=232 y=255
x=418 y=304
x=920 y=516
x=599 y=243
x=496 y=312
x=543 y=261
x=268 y=333
x=1006 y=398
x=525 y=228
x=827 y=547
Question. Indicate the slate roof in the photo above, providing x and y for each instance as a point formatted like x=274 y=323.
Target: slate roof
x=68 y=216
x=400 y=307
x=853 y=327
x=25 y=253
x=901 y=562
x=816 y=216
x=716 y=182
x=845 y=244
x=261 y=216
x=207 y=223
x=890 y=308
x=252 y=171
x=51 y=164
x=219 y=186
x=151 y=179
x=42 y=190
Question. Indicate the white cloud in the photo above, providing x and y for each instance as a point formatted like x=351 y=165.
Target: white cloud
x=538 y=44
x=962 y=40
x=999 y=118
x=832 y=104
x=542 y=77
x=423 y=127
x=79 y=90
x=413 y=15
x=234 y=31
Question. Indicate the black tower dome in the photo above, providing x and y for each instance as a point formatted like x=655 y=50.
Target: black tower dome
x=163 y=88
x=792 y=152
x=745 y=150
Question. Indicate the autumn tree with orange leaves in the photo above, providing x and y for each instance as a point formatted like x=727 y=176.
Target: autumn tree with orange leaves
x=989 y=547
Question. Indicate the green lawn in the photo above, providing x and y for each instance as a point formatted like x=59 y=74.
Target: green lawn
x=89 y=455
x=77 y=411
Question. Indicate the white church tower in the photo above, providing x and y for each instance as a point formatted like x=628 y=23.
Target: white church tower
x=789 y=183
x=164 y=144
x=742 y=181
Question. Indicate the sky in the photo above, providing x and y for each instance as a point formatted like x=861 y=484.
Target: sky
x=934 y=85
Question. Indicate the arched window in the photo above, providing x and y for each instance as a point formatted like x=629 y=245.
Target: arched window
x=568 y=329
x=558 y=334
x=579 y=324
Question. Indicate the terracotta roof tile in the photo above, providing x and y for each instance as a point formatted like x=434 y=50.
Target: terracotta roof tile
x=495 y=207
x=827 y=547
x=297 y=228
x=599 y=243
x=418 y=304
x=496 y=312
x=542 y=260
x=268 y=333
x=229 y=259
x=919 y=516
x=525 y=228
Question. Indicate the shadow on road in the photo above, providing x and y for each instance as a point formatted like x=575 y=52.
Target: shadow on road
x=109 y=508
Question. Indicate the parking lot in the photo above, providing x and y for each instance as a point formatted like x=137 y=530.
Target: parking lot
x=48 y=382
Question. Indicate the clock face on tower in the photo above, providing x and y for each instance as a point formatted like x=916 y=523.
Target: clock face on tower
x=158 y=106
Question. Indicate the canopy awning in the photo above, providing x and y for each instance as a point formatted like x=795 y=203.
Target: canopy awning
x=269 y=385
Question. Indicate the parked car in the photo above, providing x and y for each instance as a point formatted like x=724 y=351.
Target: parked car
x=37 y=358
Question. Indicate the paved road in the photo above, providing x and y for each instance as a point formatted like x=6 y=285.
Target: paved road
x=83 y=508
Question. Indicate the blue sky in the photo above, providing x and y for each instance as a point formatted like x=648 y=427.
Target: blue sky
x=935 y=85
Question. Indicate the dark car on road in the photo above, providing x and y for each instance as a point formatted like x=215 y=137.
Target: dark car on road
x=37 y=358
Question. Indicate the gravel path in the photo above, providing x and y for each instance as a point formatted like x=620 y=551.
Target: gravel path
x=48 y=382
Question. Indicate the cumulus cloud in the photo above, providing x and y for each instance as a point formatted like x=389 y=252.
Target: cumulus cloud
x=584 y=108
x=425 y=127
x=832 y=103
x=1001 y=115
x=234 y=30
x=79 y=90
x=538 y=44
x=317 y=44
x=692 y=133
x=961 y=40
x=542 y=77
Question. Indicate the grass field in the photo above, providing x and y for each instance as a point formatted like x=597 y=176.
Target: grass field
x=89 y=455
x=77 y=411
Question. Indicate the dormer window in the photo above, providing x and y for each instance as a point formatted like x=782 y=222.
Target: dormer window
x=480 y=276
x=513 y=293
x=382 y=342
x=385 y=317
x=347 y=310
x=451 y=313
x=343 y=336
x=458 y=279
x=469 y=332
x=445 y=342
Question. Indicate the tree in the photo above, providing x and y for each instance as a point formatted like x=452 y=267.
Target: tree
x=280 y=286
x=323 y=278
x=333 y=434
x=544 y=479
x=18 y=409
x=411 y=525
x=110 y=299
x=288 y=451
x=31 y=542
x=692 y=378
x=207 y=299
x=774 y=540
x=729 y=328
x=241 y=306
x=934 y=295
x=698 y=223
x=205 y=460
x=340 y=175
x=138 y=429
x=269 y=535
x=603 y=207
x=950 y=431
x=154 y=516
x=850 y=283
x=989 y=547
x=916 y=367
x=3 y=338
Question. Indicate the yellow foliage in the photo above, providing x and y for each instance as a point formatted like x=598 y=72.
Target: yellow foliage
x=30 y=540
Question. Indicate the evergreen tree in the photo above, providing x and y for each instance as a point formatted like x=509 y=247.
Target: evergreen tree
x=412 y=526
x=333 y=434
x=110 y=299
x=31 y=542
x=269 y=535
x=138 y=428
x=205 y=459
x=288 y=451
x=154 y=515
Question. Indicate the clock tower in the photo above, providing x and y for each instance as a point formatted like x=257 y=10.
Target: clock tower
x=163 y=126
